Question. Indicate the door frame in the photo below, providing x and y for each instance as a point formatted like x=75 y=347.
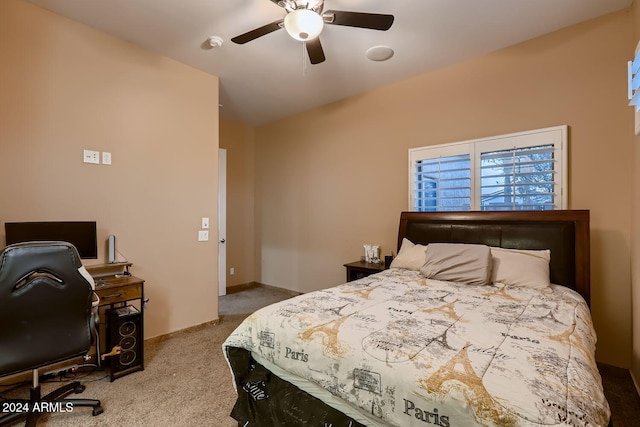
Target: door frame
x=222 y=221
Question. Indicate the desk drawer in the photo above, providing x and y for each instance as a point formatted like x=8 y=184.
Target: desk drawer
x=115 y=294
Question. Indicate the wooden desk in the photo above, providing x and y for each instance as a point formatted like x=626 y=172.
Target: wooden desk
x=113 y=290
x=105 y=270
x=122 y=323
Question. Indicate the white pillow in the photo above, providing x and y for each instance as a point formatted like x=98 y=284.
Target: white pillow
x=458 y=262
x=410 y=256
x=520 y=267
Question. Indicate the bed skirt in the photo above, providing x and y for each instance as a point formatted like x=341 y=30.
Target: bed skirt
x=265 y=400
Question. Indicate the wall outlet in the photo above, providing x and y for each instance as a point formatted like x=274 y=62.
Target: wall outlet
x=90 y=156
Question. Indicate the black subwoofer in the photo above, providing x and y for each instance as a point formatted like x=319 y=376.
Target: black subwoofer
x=124 y=329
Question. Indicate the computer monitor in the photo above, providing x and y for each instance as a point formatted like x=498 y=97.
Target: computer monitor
x=81 y=234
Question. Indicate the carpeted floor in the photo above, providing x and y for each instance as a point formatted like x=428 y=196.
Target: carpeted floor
x=247 y=299
x=186 y=381
x=622 y=396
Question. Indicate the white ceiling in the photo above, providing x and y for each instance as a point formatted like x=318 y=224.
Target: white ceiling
x=270 y=77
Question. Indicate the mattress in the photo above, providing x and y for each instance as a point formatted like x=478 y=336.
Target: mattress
x=396 y=349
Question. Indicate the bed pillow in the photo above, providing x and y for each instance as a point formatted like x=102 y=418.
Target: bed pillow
x=458 y=262
x=520 y=267
x=410 y=256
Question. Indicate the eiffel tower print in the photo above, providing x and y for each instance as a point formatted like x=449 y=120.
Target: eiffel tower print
x=447 y=310
x=501 y=292
x=363 y=292
x=458 y=374
x=330 y=336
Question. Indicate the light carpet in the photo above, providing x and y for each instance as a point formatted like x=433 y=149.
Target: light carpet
x=186 y=380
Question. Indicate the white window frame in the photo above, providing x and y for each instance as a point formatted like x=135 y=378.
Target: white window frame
x=557 y=136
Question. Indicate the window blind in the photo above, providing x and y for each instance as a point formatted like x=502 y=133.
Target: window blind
x=443 y=183
x=518 y=179
x=517 y=171
x=633 y=81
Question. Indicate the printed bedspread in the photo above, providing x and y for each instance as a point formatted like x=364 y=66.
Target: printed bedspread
x=397 y=349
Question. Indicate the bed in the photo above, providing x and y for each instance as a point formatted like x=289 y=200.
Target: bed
x=482 y=320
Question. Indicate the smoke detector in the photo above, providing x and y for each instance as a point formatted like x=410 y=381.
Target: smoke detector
x=215 y=41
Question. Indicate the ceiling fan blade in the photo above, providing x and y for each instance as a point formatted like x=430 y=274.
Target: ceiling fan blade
x=258 y=32
x=314 y=49
x=373 y=21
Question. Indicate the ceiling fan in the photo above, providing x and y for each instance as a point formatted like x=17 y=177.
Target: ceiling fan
x=305 y=20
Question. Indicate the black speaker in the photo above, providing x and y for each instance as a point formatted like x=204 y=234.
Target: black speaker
x=124 y=329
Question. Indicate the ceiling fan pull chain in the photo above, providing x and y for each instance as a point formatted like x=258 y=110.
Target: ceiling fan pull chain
x=304 y=59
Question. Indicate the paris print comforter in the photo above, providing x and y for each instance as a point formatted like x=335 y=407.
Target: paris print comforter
x=396 y=349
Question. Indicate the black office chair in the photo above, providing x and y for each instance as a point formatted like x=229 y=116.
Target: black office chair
x=46 y=317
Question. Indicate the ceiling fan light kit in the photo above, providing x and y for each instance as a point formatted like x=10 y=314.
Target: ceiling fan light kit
x=303 y=24
x=305 y=21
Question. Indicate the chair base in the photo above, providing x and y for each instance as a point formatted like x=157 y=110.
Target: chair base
x=53 y=402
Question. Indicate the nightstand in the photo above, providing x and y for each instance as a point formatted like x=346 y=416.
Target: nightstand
x=359 y=269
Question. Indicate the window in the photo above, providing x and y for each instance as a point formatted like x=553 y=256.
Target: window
x=633 y=84
x=443 y=183
x=522 y=171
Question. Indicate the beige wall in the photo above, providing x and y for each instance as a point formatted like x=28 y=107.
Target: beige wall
x=635 y=260
x=334 y=178
x=67 y=87
x=238 y=140
x=327 y=181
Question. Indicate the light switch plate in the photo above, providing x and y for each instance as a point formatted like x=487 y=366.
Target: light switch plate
x=205 y=222
x=203 y=236
x=106 y=158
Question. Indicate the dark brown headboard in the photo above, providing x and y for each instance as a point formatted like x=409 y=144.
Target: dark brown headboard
x=564 y=232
